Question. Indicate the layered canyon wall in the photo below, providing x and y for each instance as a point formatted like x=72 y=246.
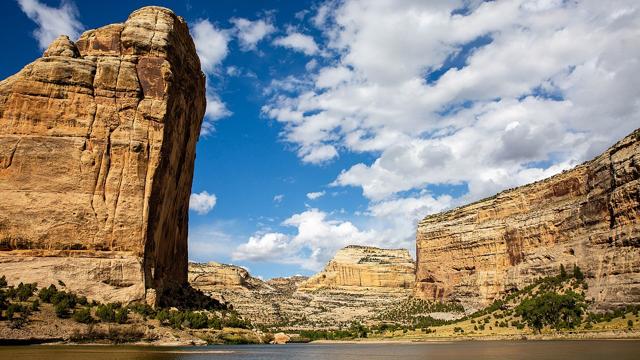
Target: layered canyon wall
x=587 y=216
x=97 y=149
x=357 y=284
x=365 y=266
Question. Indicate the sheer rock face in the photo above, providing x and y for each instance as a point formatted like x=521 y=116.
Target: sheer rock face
x=97 y=147
x=365 y=266
x=586 y=216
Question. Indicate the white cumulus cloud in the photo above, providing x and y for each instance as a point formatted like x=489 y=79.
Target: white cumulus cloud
x=315 y=195
x=212 y=47
x=298 y=42
x=52 y=21
x=387 y=224
x=202 y=203
x=249 y=32
x=484 y=94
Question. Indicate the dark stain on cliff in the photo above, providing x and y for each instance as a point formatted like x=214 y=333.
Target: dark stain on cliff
x=513 y=241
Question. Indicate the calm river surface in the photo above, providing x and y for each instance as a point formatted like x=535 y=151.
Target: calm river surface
x=535 y=350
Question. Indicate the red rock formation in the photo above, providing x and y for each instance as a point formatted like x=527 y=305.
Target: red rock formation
x=97 y=148
x=587 y=216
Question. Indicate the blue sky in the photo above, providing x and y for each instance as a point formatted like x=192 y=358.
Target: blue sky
x=345 y=122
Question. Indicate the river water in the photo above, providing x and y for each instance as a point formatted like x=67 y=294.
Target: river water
x=473 y=350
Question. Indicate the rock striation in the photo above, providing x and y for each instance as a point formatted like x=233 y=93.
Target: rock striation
x=365 y=266
x=356 y=285
x=588 y=216
x=97 y=149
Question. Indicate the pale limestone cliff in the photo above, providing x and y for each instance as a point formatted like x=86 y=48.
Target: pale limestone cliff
x=586 y=216
x=365 y=266
x=97 y=147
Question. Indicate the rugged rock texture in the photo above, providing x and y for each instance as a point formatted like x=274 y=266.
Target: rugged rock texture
x=365 y=266
x=586 y=216
x=356 y=285
x=97 y=147
x=231 y=284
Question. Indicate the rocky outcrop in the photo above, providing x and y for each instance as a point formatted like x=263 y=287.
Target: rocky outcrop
x=252 y=297
x=97 y=148
x=214 y=275
x=365 y=266
x=588 y=216
x=356 y=285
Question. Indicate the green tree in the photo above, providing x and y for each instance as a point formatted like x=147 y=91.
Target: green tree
x=83 y=316
x=122 y=316
x=106 y=312
x=551 y=309
x=563 y=272
x=577 y=273
x=62 y=308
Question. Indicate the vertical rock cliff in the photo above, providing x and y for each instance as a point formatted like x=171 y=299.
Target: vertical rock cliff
x=588 y=216
x=97 y=148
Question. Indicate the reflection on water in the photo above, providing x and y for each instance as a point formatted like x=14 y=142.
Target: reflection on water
x=534 y=350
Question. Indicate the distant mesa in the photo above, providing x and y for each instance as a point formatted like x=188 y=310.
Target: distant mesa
x=97 y=148
x=356 y=285
x=588 y=216
x=365 y=266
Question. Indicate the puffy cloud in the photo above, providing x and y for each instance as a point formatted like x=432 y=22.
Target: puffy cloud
x=278 y=198
x=315 y=195
x=211 y=44
x=212 y=47
x=330 y=77
x=388 y=224
x=202 y=203
x=264 y=247
x=52 y=22
x=249 y=32
x=487 y=94
x=316 y=234
x=298 y=42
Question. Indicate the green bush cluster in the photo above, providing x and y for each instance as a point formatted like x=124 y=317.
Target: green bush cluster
x=560 y=311
x=83 y=315
x=63 y=302
x=410 y=309
x=612 y=314
x=200 y=320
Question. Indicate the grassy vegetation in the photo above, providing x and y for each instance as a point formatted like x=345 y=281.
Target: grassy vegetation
x=414 y=311
x=19 y=302
x=549 y=305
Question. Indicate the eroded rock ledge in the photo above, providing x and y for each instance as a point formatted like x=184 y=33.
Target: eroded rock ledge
x=587 y=216
x=97 y=147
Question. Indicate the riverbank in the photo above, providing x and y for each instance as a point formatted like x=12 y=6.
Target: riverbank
x=531 y=337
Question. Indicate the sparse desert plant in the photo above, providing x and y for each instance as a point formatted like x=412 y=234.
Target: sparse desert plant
x=122 y=316
x=83 y=315
x=106 y=312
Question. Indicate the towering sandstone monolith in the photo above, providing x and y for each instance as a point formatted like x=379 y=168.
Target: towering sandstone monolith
x=97 y=148
x=588 y=216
